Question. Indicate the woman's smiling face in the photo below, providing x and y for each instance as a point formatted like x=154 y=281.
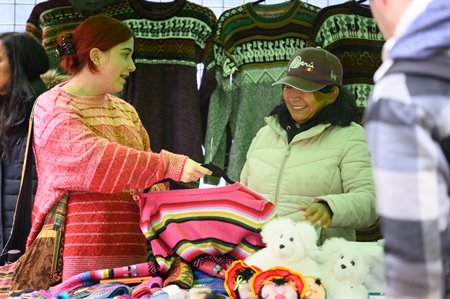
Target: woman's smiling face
x=303 y=105
x=5 y=70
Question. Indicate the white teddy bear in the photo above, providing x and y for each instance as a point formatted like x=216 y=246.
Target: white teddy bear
x=344 y=269
x=289 y=244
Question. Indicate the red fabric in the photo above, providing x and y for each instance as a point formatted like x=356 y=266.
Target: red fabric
x=102 y=232
x=92 y=144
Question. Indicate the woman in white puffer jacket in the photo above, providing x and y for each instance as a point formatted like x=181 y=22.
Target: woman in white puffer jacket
x=311 y=159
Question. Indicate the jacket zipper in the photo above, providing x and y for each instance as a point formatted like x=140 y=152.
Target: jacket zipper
x=277 y=189
x=18 y=144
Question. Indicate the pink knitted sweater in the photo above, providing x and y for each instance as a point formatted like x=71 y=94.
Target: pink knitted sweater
x=92 y=145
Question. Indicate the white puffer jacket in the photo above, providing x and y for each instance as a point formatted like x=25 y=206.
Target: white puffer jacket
x=326 y=162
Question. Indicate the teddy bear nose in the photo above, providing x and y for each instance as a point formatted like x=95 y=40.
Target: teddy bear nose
x=343 y=266
x=281 y=246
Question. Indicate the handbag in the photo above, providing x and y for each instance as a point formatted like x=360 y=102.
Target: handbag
x=41 y=265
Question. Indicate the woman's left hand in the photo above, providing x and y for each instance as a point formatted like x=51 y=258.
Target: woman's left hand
x=317 y=213
x=193 y=171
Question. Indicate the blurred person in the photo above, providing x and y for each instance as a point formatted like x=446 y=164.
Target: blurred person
x=91 y=146
x=311 y=159
x=22 y=61
x=408 y=130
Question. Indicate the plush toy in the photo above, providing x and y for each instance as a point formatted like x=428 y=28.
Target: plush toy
x=278 y=283
x=289 y=244
x=237 y=280
x=344 y=269
x=314 y=288
x=373 y=251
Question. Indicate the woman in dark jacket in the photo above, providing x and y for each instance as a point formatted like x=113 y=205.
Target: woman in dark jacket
x=22 y=61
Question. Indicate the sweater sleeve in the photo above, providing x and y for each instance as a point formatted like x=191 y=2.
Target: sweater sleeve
x=355 y=207
x=72 y=156
x=32 y=24
x=244 y=173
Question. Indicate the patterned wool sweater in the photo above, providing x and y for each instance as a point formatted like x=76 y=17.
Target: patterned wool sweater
x=51 y=18
x=253 y=44
x=349 y=31
x=170 y=40
x=94 y=149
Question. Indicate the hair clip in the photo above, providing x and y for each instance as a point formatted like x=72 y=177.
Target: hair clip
x=65 y=47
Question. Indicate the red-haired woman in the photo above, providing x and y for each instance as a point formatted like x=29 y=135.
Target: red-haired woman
x=91 y=146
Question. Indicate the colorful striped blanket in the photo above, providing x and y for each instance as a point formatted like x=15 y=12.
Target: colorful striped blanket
x=208 y=228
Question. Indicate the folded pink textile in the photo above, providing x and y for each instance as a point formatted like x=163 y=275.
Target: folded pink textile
x=208 y=228
x=91 y=277
x=147 y=287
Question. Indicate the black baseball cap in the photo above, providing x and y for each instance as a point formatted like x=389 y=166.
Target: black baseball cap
x=311 y=69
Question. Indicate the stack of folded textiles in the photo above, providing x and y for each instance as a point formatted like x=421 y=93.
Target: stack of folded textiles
x=203 y=280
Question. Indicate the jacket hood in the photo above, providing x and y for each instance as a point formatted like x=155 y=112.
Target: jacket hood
x=423 y=31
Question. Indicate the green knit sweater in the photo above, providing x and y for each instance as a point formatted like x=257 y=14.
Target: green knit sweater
x=349 y=31
x=253 y=44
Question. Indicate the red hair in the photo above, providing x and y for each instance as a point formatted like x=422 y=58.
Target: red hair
x=99 y=31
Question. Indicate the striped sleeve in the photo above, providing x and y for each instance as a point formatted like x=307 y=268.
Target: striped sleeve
x=78 y=159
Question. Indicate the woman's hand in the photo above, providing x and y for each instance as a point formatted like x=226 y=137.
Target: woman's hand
x=192 y=171
x=317 y=213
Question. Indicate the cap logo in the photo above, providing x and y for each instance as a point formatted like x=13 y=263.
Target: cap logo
x=333 y=76
x=298 y=62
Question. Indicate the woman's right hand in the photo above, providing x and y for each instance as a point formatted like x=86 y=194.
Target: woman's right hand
x=318 y=213
x=193 y=171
